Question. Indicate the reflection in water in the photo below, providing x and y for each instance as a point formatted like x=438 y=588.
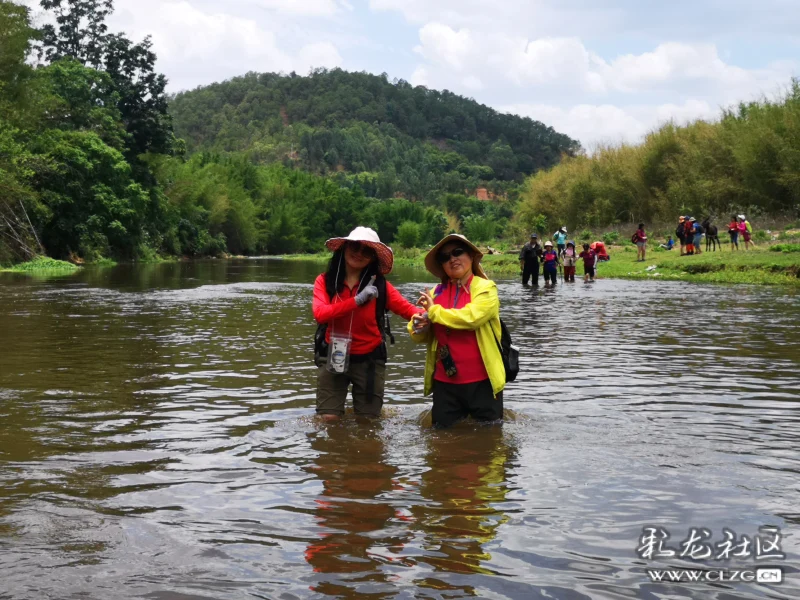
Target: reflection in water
x=355 y=518
x=460 y=512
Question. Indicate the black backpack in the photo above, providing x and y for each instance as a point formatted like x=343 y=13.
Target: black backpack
x=381 y=317
x=509 y=352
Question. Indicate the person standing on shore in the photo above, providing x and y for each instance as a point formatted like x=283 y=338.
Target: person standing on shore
x=697 y=232
x=680 y=233
x=746 y=230
x=529 y=260
x=688 y=232
x=640 y=239
x=560 y=238
x=733 y=231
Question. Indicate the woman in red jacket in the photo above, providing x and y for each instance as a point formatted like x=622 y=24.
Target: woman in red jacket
x=348 y=298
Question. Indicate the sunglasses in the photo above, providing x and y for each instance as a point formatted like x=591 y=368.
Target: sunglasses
x=443 y=257
x=363 y=249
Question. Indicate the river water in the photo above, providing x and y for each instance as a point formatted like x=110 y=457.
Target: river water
x=157 y=441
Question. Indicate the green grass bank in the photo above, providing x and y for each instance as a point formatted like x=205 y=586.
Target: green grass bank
x=766 y=265
x=41 y=264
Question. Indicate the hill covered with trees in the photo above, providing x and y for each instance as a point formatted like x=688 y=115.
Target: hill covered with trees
x=387 y=138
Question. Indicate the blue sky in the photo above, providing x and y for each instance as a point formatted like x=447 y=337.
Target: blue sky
x=603 y=71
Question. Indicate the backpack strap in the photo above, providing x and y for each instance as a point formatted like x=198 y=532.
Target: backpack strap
x=381 y=316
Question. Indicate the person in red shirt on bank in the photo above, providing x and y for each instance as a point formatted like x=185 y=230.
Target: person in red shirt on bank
x=348 y=298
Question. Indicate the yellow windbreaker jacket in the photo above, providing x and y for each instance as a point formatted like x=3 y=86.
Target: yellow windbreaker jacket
x=482 y=315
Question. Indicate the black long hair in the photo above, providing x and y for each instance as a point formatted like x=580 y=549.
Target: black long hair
x=335 y=285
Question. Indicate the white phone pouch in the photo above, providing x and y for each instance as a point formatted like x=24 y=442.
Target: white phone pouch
x=339 y=354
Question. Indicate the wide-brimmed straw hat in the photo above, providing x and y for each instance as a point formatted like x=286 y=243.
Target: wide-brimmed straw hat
x=370 y=238
x=437 y=270
x=548 y=243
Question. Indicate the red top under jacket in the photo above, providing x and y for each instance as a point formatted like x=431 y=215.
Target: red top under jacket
x=365 y=333
x=463 y=343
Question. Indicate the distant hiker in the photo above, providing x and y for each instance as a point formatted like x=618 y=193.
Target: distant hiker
x=589 y=263
x=570 y=259
x=733 y=231
x=640 y=239
x=688 y=233
x=550 y=260
x=560 y=238
x=680 y=233
x=669 y=245
x=529 y=260
x=697 y=231
x=746 y=231
x=350 y=301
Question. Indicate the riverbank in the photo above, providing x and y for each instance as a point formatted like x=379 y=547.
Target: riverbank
x=762 y=266
x=41 y=264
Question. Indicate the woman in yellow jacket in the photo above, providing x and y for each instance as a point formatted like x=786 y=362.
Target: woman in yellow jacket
x=461 y=326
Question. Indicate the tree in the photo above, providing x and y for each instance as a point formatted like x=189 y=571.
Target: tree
x=18 y=239
x=16 y=37
x=408 y=234
x=93 y=206
x=81 y=33
x=479 y=229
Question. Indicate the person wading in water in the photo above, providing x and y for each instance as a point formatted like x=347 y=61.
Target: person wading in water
x=350 y=302
x=529 y=260
x=461 y=326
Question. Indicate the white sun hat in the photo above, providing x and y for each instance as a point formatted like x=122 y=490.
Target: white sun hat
x=368 y=237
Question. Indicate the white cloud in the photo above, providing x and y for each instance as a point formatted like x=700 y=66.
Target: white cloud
x=442 y=45
x=420 y=77
x=670 y=62
x=196 y=47
x=306 y=8
x=472 y=83
x=320 y=54
x=531 y=17
x=567 y=63
x=608 y=124
x=551 y=60
x=608 y=19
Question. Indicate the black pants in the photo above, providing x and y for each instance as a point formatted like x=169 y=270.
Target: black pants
x=453 y=402
x=531 y=269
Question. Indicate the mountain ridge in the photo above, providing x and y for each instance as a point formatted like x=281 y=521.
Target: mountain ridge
x=387 y=137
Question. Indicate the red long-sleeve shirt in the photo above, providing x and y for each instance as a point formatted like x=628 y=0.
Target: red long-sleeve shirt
x=365 y=333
